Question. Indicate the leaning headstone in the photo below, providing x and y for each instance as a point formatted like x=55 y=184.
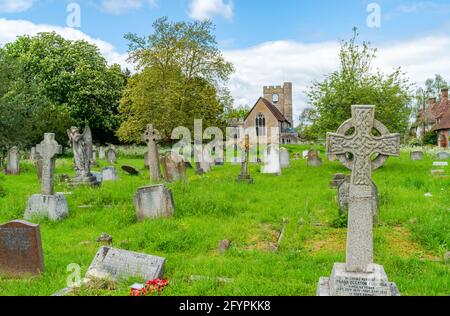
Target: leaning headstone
x=443 y=155
x=343 y=199
x=13 y=161
x=313 y=159
x=116 y=264
x=112 y=157
x=359 y=276
x=174 y=167
x=151 y=138
x=153 y=202
x=47 y=204
x=338 y=178
x=132 y=171
x=245 y=176
x=109 y=174
x=272 y=161
x=285 y=158
x=416 y=155
x=82 y=156
x=20 y=249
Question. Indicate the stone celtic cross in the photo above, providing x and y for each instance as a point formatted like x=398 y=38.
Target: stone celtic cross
x=151 y=137
x=48 y=149
x=363 y=146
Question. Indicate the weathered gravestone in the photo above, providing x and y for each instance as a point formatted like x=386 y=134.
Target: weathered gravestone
x=416 y=155
x=359 y=276
x=109 y=174
x=116 y=264
x=313 y=159
x=132 y=171
x=198 y=157
x=439 y=168
x=82 y=156
x=94 y=157
x=112 y=156
x=343 y=199
x=151 y=138
x=206 y=161
x=33 y=153
x=47 y=204
x=20 y=250
x=285 y=158
x=38 y=164
x=101 y=153
x=338 y=178
x=443 y=155
x=271 y=161
x=245 y=176
x=153 y=202
x=174 y=167
x=13 y=161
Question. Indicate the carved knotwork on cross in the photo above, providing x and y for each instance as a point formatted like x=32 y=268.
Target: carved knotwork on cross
x=151 y=134
x=362 y=144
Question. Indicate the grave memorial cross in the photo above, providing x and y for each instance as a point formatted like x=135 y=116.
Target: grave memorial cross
x=151 y=137
x=48 y=149
x=362 y=145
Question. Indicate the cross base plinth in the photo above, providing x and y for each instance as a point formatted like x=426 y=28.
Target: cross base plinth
x=245 y=178
x=84 y=181
x=53 y=207
x=344 y=283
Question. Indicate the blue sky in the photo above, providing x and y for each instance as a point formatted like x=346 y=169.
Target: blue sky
x=269 y=41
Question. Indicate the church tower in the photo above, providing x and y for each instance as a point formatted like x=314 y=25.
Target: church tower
x=281 y=97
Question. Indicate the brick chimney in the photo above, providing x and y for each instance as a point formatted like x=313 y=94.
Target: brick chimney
x=444 y=93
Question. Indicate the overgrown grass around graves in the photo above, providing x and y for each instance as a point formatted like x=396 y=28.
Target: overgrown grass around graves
x=410 y=241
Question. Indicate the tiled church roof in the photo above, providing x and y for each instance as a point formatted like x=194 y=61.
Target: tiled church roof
x=277 y=113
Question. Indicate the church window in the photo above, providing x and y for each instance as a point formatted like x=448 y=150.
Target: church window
x=260 y=125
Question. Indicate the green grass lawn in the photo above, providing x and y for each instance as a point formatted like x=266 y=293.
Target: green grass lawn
x=410 y=241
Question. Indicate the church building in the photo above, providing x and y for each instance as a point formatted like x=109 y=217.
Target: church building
x=274 y=109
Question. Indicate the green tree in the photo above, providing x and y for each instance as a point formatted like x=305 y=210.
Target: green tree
x=356 y=83
x=72 y=80
x=181 y=76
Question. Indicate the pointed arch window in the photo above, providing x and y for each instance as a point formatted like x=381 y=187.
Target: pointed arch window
x=260 y=125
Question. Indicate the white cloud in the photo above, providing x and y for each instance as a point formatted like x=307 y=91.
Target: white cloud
x=13 y=28
x=13 y=6
x=272 y=63
x=207 y=9
x=121 y=6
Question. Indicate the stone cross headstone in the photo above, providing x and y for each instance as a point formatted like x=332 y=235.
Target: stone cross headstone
x=48 y=149
x=359 y=275
x=117 y=264
x=343 y=198
x=13 y=161
x=20 y=249
x=47 y=204
x=153 y=202
x=245 y=176
x=174 y=167
x=285 y=158
x=151 y=138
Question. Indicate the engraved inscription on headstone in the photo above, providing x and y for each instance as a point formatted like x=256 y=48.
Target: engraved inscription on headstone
x=20 y=249
x=119 y=264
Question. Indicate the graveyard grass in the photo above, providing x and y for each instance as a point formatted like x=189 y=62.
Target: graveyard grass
x=410 y=241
